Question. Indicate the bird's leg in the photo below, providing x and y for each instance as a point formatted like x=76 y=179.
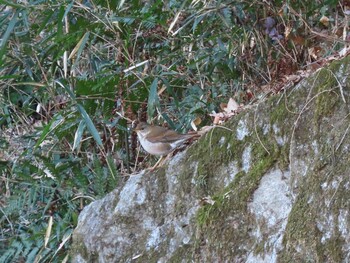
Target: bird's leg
x=161 y=161
x=157 y=163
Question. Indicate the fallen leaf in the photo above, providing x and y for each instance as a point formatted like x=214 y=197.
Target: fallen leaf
x=223 y=106
x=207 y=200
x=293 y=78
x=204 y=130
x=195 y=123
x=287 y=31
x=232 y=106
x=324 y=20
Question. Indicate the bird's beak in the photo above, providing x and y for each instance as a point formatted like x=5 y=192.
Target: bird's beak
x=137 y=128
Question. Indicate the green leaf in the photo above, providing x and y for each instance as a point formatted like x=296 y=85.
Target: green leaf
x=79 y=134
x=69 y=7
x=10 y=3
x=91 y=127
x=6 y=35
x=153 y=99
x=111 y=166
x=79 y=48
x=56 y=121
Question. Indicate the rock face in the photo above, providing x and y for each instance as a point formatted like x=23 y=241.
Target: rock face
x=272 y=187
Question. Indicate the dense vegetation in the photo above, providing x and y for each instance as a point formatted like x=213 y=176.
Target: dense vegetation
x=75 y=74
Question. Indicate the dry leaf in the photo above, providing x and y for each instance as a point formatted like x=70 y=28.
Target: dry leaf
x=161 y=90
x=252 y=43
x=223 y=106
x=231 y=106
x=217 y=117
x=228 y=110
x=204 y=130
x=324 y=20
x=206 y=200
x=48 y=231
x=287 y=31
x=195 y=123
x=292 y=78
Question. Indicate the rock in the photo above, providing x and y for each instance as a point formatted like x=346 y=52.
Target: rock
x=274 y=189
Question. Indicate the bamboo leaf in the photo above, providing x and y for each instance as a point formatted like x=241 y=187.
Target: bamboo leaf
x=111 y=166
x=60 y=22
x=6 y=35
x=10 y=3
x=153 y=100
x=78 y=49
x=79 y=134
x=51 y=126
x=69 y=7
x=91 y=127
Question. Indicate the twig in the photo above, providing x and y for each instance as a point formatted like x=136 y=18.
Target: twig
x=340 y=86
x=256 y=131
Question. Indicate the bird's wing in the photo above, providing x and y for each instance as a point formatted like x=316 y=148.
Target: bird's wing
x=164 y=135
x=161 y=134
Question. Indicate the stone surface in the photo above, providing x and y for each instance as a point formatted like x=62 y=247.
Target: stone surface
x=276 y=188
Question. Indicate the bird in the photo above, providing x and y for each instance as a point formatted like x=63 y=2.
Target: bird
x=160 y=141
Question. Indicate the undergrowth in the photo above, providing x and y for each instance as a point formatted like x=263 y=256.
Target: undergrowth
x=75 y=74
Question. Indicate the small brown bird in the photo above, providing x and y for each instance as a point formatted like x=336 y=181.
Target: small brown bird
x=158 y=140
